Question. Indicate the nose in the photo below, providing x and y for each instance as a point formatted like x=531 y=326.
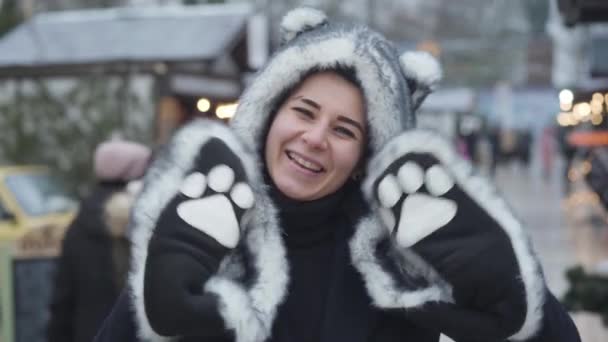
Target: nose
x=316 y=136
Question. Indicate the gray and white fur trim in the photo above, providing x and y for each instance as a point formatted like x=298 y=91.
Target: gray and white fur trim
x=424 y=69
x=381 y=285
x=486 y=196
x=161 y=183
x=388 y=83
x=250 y=312
x=421 y=66
x=300 y=20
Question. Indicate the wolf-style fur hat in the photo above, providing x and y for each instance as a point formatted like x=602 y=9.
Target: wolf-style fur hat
x=394 y=84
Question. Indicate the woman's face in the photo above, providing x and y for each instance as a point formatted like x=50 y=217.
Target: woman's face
x=317 y=137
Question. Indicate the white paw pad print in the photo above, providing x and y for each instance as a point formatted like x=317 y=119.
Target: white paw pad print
x=214 y=213
x=422 y=212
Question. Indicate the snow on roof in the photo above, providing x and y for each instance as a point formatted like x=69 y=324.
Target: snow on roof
x=167 y=33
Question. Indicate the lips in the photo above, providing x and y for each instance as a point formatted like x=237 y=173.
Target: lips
x=304 y=162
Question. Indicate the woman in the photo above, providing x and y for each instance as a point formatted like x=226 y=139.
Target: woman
x=93 y=265
x=323 y=215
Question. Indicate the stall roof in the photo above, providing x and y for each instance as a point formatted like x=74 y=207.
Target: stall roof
x=68 y=40
x=459 y=100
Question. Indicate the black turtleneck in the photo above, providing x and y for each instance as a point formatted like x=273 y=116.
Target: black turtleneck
x=309 y=233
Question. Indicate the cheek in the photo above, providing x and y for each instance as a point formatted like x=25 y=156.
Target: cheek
x=270 y=155
x=347 y=157
x=276 y=135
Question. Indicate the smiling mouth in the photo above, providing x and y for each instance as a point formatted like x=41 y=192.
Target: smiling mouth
x=303 y=163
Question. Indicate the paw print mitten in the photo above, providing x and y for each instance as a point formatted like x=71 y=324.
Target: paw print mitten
x=437 y=209
x=195 y=230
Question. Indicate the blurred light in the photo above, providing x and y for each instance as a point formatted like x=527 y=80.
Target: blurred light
x=586 y=167
x=606 y=98
x=566 y=96
x=563 y=119
x=203 y=105
x=573 y=120
x=226 y=111
x=580 y=198
x=597 y=119
x=597 y=107
x=582 y=110
x=597 y=97
x=572 y=175
x=566 y=119
x=431 y=47
x=565 y=106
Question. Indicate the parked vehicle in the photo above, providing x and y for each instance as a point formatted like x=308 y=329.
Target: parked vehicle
x=34 y=207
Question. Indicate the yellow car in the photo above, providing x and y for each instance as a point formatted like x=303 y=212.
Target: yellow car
x=34 y=208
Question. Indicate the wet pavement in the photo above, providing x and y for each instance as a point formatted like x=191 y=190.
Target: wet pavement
x=565 y=230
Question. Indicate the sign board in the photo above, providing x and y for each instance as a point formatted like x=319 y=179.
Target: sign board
x=26 y=285
x=599 y=56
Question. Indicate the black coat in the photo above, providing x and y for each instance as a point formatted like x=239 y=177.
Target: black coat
x=359 y=324
x=87 y=282
x=350 y=315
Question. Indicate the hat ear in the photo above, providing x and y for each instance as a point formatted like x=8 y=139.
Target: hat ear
x=422 y=72
x=300 y=20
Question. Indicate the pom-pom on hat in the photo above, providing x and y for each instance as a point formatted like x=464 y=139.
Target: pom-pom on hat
x=120 y=161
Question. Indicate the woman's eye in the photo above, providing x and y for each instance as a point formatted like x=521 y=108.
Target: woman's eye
x=345 y=132
x=304 y=112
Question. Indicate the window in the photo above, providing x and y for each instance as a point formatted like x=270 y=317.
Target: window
x=39 y=194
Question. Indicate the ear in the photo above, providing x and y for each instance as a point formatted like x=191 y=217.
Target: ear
x=300 y=20
x=422 y=72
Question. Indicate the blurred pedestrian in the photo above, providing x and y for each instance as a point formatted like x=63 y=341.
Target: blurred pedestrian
x=496 y=153
x=94 y=261
x=547 y=148
x=568 y=152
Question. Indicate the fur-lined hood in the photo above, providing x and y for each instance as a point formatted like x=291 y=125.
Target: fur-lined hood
x=394 y=83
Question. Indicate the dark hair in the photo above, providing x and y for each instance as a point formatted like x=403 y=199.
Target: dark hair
x=346 y=72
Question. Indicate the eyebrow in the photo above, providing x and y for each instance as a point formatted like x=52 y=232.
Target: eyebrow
x=308 y=102
x=351 y=122
x=342 y=118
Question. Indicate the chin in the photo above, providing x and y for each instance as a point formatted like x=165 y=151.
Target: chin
x=297 y=192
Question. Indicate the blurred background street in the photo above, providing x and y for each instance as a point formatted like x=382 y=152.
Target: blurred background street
x=561 y=236
x=564 y=234
x=524 y=97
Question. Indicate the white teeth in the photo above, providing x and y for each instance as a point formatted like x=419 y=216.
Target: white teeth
x=305 y=163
